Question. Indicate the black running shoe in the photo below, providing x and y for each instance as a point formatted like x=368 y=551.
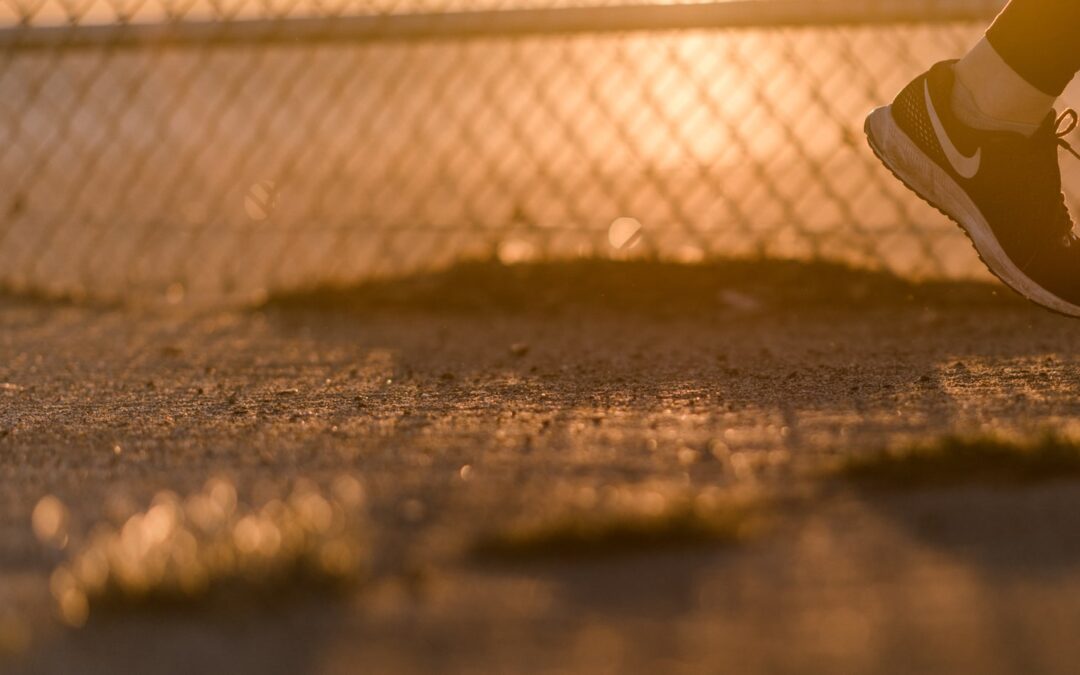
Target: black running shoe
x=1003 y=189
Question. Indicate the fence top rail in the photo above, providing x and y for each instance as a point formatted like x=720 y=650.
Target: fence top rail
x=732 y=14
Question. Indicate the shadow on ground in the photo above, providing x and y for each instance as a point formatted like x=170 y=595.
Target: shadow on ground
x=1003 y=532
x=177 y=642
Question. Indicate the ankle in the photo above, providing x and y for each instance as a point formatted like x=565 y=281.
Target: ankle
x=970 y=113
x=990 y=95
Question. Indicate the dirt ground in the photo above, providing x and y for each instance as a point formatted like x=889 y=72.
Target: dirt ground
x=545 y=378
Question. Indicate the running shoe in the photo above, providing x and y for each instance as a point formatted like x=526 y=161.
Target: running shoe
x=1002 y=188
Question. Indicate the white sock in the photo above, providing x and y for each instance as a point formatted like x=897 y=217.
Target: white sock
x=992 y=96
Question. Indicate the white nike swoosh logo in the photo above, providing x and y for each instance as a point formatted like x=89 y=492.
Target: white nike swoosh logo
x=961 y=163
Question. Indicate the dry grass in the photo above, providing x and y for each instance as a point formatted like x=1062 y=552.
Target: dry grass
x=957 y=460
x=642 y=286
x=191 y=551
x=624 y=520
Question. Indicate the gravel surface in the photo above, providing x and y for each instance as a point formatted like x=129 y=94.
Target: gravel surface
x=468 y=400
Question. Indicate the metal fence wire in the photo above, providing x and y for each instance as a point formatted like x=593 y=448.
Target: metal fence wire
x=212 y=149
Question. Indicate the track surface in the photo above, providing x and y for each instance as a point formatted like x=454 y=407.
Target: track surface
x=582 y=376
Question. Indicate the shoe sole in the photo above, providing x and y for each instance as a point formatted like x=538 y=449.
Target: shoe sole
x=936 y=187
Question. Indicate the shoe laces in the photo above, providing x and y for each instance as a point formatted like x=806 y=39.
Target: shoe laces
x=1066 y=123
x=1071 y=119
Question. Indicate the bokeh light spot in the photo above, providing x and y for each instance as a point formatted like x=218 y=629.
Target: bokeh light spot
x=624 y=233
x=50 y=522
x=515 y=251
x=261 y=200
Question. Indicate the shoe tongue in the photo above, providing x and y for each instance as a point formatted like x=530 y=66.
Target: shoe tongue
x=1044 y=135
x=1049 y=123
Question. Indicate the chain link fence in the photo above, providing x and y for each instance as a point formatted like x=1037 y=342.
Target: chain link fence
x=224 y=151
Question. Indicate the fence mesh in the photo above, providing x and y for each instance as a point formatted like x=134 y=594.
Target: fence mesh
x=234 y=170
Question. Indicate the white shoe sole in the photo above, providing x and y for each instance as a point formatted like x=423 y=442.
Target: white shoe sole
x=925 y=178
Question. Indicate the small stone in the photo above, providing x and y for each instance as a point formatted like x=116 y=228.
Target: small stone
x=413 y=510
x=739 y=301
x=688 y=456
x=519 y=349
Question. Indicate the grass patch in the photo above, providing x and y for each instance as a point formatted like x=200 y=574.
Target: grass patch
x=624 y=520
x=650 y=287
x=955 y=460
x=208 y=547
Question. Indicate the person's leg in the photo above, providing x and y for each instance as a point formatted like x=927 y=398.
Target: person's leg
x=1040 y=40
x=1010 y=80
x=989 y=94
